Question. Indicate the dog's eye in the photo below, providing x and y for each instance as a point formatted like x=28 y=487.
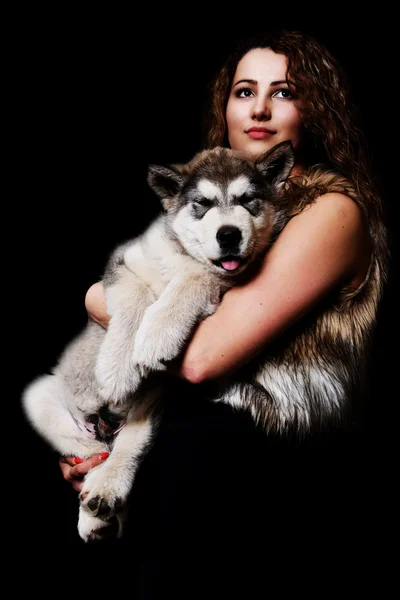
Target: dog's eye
x=245 y=199
x=204 y=202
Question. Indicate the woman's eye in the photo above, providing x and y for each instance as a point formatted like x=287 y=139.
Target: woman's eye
x=244 y=93
x=204 y=202
x=284 y=93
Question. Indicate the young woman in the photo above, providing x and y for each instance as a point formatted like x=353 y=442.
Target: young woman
x=333 y=253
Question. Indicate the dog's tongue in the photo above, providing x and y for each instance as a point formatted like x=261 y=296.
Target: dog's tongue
x=230 y=265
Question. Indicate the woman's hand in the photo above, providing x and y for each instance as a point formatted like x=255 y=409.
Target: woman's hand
x=74 y=468
x=95 y=303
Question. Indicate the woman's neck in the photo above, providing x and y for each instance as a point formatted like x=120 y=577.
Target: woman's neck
x=297 y=169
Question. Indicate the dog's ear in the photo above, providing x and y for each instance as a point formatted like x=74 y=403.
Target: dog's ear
x=275 y=165
x=166 y=183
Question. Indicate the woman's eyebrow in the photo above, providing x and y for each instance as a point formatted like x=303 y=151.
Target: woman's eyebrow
x=251 y=81
x=287 y=81
x=254 y=82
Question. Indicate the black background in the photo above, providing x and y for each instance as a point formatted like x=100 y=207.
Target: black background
x=95 y=98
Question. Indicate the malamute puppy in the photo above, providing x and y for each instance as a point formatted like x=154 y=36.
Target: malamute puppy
x=221 y=213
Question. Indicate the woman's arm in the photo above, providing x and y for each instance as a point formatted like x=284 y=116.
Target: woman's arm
x=325 y=246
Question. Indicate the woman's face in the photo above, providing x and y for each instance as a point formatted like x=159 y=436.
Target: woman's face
x=261 y=110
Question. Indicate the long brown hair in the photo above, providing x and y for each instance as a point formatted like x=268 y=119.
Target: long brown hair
x=333 y=136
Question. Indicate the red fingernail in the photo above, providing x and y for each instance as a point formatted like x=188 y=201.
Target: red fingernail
x=78 y=460
x=104 y=455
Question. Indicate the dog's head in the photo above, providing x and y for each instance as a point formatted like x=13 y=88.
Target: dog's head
x=222 y=206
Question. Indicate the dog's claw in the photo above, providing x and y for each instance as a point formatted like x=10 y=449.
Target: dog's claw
x=109 y=531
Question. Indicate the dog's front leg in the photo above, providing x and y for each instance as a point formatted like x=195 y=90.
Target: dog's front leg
x=192 y=294
x=107 y=487
x=127 y=301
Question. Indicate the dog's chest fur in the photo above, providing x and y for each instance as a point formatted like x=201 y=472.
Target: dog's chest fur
x=152 y=256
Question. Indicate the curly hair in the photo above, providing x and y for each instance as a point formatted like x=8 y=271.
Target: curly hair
x=330 y=118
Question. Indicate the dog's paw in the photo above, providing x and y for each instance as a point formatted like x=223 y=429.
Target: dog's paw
x=148 y=362
x=104 y=492
x=156 y=342
x=116 y=380
x=91 y=528
x=148 y=357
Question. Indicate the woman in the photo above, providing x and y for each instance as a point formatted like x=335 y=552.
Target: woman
x=333 y=253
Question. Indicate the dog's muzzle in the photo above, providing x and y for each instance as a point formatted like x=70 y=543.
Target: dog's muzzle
x=229 y=238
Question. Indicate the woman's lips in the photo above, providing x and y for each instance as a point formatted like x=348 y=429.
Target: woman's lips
x=259 y=134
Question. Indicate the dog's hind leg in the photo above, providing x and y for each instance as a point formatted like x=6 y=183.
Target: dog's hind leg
x=107 y=487
x=44 y=404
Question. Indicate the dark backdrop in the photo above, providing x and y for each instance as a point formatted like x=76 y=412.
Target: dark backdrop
x=95 y=101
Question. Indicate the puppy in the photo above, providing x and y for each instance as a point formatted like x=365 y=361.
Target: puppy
x=221 y=212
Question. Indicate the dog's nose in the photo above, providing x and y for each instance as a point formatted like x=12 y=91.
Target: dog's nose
x=229 y=236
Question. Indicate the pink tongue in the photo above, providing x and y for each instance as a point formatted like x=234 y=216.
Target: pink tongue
x=230 y=265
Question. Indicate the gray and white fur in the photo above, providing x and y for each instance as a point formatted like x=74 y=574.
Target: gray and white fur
x=221 y=213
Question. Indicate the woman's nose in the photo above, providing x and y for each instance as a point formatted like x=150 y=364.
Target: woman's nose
x=261 y=111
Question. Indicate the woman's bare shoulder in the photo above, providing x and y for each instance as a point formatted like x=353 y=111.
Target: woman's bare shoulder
x=335 y=226
x=336 y=206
